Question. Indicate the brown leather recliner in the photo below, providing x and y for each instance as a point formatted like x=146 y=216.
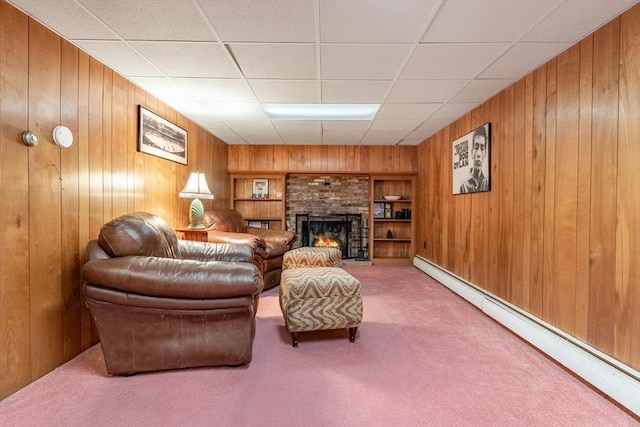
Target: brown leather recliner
x=228 y=226
x=162 y=303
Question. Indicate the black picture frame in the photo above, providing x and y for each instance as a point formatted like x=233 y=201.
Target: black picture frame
x=160 y=137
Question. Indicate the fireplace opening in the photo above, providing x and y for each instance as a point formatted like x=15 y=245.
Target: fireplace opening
x=343 y=231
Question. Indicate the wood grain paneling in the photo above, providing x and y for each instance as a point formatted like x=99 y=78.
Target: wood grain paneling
x=561 y=218
x=627 y=277
x=322 y=159
x=15 y=339
x=55 y=200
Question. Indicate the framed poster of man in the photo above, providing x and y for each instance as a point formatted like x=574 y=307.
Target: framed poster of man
x=471 y=161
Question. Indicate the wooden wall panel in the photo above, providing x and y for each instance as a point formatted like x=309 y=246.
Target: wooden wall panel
x=44 y=202
x=322 y=159
x=627 y=277
x=71 y=295
x=15 y=339
x=55 y=200
x=560 y=222
x=566 y=185
x=606 y=56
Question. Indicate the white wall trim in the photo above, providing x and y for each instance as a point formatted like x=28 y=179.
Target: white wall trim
x=613 y=378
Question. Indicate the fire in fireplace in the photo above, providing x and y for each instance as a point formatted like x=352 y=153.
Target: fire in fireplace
x=343 y=231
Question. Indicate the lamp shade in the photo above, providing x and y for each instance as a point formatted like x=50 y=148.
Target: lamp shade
x=196 y=187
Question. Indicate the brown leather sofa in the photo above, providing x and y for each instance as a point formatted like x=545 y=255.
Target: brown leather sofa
x=228 y=226
x=162 y=303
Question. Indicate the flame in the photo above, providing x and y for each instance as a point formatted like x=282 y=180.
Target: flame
x=326 y=242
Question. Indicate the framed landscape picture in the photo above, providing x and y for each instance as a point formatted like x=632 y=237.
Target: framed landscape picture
x=471 y=161
x=159 y=137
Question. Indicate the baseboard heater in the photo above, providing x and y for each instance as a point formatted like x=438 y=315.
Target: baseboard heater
x=611 y=377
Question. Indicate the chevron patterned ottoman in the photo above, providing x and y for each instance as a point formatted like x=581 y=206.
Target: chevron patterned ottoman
x=320 y=298
x=312 y=257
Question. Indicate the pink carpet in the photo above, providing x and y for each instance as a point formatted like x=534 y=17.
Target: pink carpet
x=423 y=357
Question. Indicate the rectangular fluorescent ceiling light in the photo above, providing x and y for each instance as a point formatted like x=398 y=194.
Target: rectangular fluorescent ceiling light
x=321 y=111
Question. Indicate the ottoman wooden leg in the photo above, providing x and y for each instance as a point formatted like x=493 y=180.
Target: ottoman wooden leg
x=352 y=334
x=294 y=339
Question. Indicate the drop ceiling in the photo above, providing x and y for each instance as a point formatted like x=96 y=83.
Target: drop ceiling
x=427 y=62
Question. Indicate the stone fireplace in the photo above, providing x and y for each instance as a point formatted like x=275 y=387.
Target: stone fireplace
x=334 y=208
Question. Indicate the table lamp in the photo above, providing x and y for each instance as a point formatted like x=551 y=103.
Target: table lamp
x=196 y=189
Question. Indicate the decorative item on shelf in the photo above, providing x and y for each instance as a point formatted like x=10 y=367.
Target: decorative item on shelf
x=260 y=188
x=387 y=210
x=196 y=189
x=392 y=198
x=389 y=234
x=407 y=213
x=378 y=210
x=400 y=214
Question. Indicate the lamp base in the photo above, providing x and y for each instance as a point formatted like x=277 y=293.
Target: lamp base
x=196 y=215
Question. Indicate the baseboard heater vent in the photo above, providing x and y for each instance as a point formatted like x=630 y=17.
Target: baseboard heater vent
x=613 y=378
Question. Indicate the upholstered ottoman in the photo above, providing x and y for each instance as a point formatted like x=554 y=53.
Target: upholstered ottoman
x=320 y=298
x=312 y=257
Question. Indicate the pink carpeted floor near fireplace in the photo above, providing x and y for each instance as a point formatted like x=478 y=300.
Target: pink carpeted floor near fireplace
x=423 y=357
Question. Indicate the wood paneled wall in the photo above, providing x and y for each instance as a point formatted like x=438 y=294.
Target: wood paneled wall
x=55 y=200
x=323 y=158
x=557 y=235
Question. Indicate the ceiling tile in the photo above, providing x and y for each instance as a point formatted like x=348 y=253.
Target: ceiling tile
x=152 y=20
x=119 y=56
x=67 y=18
x=302 y=138
x=486 y=21
x=406 y=111
x=355 y=91
x=246 y=111
x=162 y=86
x=521 y=59
x=357 y=21
x=220 y=90
x=451 y=61
x=334 y=137
x=453 y=111
x=481 y=90
x=373 y=62
x=205 y=59
x=395 y=125
x=262 y=21
x=346 y=125
x=424 y=90
x=306 y=91
x=297 y=126
x=383 y=137
x=276 y=61
x=569 y=23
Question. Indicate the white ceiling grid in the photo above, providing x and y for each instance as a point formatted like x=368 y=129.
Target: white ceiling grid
x=427 y=62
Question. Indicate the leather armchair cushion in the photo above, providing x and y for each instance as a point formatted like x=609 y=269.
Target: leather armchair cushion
x=228 y=220
x=138 y=233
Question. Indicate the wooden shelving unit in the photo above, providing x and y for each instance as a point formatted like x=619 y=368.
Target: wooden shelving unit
x=268 y=211
x=384 y=219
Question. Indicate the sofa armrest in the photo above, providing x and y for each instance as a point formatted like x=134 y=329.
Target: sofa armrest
x=205 y=251
x=175 y=278
x=283 y=237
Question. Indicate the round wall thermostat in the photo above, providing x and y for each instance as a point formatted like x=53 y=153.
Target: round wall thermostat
x=62 y=136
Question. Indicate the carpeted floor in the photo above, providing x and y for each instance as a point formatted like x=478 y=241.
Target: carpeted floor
x=423 y=357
